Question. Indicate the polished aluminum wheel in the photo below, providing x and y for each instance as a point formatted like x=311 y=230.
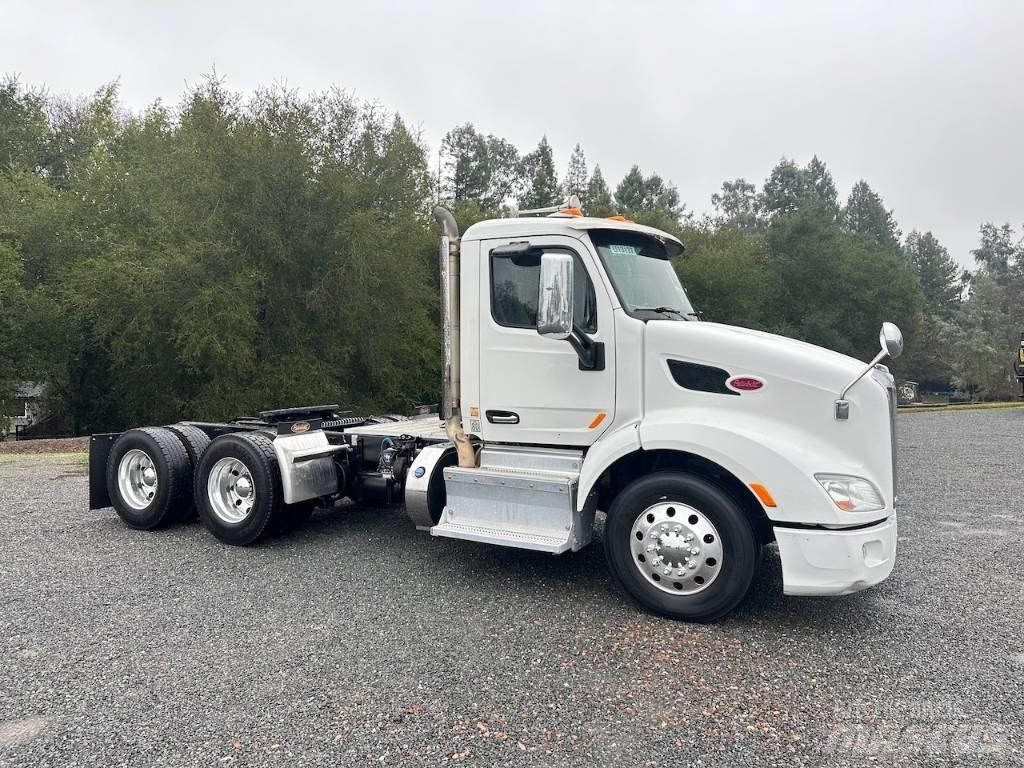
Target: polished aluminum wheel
x=676 y=548
x=231 y=490
x=137 y=481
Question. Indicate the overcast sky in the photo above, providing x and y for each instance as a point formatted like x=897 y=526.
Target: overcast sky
x=924 y=100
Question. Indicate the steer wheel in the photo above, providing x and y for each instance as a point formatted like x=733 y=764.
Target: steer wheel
x=681 y=546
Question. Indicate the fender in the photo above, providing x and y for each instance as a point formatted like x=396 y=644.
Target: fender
x=608 y=449
x=742 y=443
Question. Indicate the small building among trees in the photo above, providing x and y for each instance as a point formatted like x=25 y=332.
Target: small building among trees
x=24 y=410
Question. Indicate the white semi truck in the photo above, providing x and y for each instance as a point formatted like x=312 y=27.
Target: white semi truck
x=577 y=378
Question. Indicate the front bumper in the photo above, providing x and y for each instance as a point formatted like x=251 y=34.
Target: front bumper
x=822 y=562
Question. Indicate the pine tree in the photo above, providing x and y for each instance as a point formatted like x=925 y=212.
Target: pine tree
x=649 y=199
x=597 y=200
x=865 y=214
x=541 y=178
x=790 y=188
x=820 y=187
x=937 y=271
x=576 y=175
x=466 y=170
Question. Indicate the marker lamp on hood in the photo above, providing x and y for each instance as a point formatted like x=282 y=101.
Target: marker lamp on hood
x=850 y=493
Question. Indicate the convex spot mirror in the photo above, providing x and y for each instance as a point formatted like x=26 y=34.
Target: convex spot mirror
x=554 y=298
x=891 y=339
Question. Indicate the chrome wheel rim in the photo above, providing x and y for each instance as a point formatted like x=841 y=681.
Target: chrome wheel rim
x=231 y=491
x=676 y=548
x=137 y=480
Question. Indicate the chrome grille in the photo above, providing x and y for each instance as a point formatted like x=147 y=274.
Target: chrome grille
x=885 y=379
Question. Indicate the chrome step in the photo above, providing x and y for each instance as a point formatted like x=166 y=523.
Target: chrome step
x=507 y=537
x=514 y=457
x=518 y=497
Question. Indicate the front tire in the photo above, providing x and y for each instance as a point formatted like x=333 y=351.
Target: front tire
x=238 y=488
x=681 y=546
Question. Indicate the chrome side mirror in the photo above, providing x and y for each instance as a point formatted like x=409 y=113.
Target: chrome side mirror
x=554 y=297
x=891 y=339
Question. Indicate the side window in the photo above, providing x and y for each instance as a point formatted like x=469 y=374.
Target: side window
x=515 y=281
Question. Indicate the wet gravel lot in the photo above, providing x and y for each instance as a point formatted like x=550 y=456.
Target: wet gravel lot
x=359 y=641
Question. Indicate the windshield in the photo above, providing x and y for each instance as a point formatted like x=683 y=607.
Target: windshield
x=643 y=276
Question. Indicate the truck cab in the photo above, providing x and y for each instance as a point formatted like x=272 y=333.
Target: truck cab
x=579 y=379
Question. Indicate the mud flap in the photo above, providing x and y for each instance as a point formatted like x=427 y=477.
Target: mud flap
x=99 y=452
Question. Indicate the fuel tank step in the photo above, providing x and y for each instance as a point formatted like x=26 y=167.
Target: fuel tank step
x=518 y=497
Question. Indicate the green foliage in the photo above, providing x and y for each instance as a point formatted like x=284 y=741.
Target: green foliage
x=866 y=215
x=789 y=188
x=737 y=205
x=992 y=318
x=724 y=272
x=597 y=201
x=835 y=290
x=484 y=169
x=937 y=272
x=542 y=188
x=230 y=255
x=650 y=200
x=575 y=182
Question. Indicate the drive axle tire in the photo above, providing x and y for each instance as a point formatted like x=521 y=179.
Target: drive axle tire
x=681 y=546
x=238 y=488
x=194 y=439
x=149 y=478
x=196 y=442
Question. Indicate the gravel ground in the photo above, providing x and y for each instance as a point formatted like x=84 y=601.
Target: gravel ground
x=359 y=641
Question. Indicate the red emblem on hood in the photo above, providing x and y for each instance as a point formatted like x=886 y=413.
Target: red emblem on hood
x=744 y=383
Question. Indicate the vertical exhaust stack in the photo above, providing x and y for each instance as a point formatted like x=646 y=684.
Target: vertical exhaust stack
x=451 y=335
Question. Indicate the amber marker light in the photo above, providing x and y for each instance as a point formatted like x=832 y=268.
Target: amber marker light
x=762 y=493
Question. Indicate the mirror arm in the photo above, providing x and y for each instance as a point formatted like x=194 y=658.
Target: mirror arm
x=842 y=405
x=590 y=352
x=877 y=359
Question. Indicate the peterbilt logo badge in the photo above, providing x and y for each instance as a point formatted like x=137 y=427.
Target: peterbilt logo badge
x=745 y=383
x=300 y=426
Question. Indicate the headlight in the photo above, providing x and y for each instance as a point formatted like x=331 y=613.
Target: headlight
x=850 y=493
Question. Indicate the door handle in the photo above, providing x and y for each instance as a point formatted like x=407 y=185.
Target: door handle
x=502 y=417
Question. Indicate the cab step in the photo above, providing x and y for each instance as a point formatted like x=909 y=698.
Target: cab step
x=518 y=497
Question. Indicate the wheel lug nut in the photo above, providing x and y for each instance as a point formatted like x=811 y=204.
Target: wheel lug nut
x=691 y=565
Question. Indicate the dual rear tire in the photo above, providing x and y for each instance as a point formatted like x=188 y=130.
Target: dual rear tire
x=238 y=491
x=158 y=476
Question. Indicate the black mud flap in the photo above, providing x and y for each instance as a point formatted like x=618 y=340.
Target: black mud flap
x=99 y=452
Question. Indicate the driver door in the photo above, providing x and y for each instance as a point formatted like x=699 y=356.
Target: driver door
x=532 y=388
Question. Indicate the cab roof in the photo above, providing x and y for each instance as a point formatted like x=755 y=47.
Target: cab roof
x=560 y=224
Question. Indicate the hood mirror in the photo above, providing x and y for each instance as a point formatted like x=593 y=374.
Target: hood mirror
x=891 y=339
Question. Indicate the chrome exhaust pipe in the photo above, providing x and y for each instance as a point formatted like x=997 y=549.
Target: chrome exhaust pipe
x=449 y=257
x=450 y=410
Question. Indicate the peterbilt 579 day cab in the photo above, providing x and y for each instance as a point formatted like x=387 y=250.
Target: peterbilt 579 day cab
x=577 y=378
